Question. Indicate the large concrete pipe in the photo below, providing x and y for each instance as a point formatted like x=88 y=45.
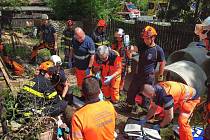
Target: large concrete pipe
x=206 y=67
x=192 y=53
x=186 y=72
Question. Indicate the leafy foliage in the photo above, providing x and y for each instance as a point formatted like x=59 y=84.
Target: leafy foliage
x=14 y=2
x=79 y=9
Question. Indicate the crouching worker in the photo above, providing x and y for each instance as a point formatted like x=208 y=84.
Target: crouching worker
x=172 y=96
x=59 y=80
x=95 y=120
x=39 y=95
x=108 y=66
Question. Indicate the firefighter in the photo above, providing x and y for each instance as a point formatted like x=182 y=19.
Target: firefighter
x=83 y=53
x=95 y=120
x=203 y=31
x=66 y=40
x=42 y=94
x=118 y=45
x=149 y=55
x=171 y=96
x=108 y=65
x=59 y=79
x=99 y=35
x=48 y=38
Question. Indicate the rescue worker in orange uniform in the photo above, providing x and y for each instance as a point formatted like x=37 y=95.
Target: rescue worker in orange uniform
x=99 y=35
x=83 y=53
x=95 y=120
x=203 y=30
x=171 y=96
x=120 y=48
x=108 y=65
x=48 y=38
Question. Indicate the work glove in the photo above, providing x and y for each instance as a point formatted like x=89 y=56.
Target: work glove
x=87 y=71
x=156 y=127
x=160 y=78
x=108 y=80
x=143 y=120
x=59 y=132
x=101 y=96
x=98 y=75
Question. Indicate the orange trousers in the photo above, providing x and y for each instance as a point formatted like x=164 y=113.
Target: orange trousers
x=186 y=109
x=185 y=132
x=80 y=75
x=112 y=90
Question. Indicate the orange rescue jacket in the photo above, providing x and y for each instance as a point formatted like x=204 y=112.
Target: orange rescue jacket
x=180 y=92
x=114 y=64
x=95 y=121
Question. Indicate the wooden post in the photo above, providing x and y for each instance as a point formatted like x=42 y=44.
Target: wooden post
x=6 y=77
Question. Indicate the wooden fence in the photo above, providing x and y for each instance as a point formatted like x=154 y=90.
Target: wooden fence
x=170 y=38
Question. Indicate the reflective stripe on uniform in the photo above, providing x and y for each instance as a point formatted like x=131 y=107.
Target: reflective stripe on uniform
x=91 y=52
x=102 y=43
x=81 y=57
x=34 y=92
x=169 y=104
x=39 y=94
x=52 y=95
x=185 y=114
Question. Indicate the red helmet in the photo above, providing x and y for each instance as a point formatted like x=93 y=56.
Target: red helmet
x=70 y=22
x=101 y=23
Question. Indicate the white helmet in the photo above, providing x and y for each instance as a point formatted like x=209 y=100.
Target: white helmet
x=119 y=32
x=56 y=60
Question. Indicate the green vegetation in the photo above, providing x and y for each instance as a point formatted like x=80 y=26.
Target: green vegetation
x=14 y=2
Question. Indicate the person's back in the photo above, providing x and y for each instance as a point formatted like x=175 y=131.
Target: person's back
x=179 y=91
x=97 y=121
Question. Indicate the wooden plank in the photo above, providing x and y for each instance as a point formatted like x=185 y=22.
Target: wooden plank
x=6 y=77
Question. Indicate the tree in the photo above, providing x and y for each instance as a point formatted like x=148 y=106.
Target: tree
x=188 y=10
x=14 y=2
x=79 y=9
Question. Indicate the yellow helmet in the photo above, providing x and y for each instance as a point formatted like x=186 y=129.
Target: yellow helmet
x=148 y=31
x=45 y=65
